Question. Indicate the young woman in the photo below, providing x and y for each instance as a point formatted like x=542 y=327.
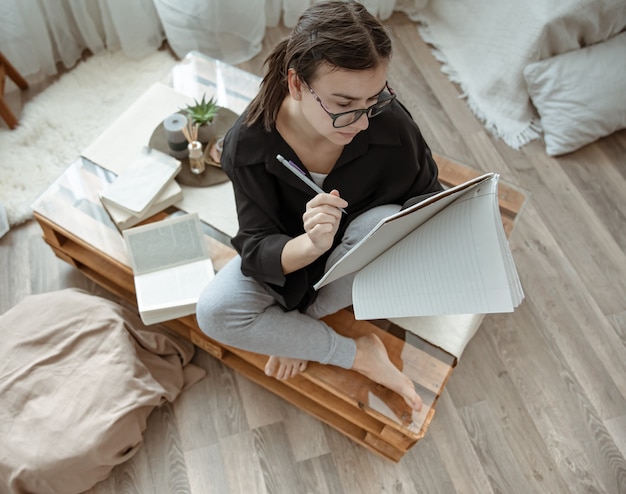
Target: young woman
x=326 y=105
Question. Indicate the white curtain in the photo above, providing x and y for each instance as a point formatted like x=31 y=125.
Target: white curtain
x=233 y=30
x=36 y=34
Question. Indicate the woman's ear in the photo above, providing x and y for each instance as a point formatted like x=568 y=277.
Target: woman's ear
x=294 y=84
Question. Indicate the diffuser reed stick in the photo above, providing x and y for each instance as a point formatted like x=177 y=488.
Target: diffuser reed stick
x=190 y=131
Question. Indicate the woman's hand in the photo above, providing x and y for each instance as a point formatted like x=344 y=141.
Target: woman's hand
x=321 y=221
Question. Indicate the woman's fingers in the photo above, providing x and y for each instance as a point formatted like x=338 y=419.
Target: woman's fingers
x=331 y=199
x=322 y=217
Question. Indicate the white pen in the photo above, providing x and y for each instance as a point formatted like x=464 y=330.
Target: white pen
x=295 y=169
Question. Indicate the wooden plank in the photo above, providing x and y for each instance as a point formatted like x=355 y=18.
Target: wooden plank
x=384 y=448
x=50 y=233
x=322 y=413
x=310 y=387
x=63 y=256
x=399 y=440
x=201 y=341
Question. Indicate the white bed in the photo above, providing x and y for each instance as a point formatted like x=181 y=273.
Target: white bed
x=557 y=66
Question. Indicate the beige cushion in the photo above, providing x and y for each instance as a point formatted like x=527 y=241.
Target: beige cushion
x=79 y=376
x=580 y=95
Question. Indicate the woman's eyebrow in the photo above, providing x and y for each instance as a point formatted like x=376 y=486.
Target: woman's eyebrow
x=352 y=98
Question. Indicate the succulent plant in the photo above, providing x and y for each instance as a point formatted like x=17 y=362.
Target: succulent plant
x=202 y=112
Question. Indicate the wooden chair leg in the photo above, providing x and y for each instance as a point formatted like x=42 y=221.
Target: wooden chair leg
x=7 y=114
x=7 y=69
x=13 y=74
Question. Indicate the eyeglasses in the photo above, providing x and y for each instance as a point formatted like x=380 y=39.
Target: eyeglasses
x=349 y=117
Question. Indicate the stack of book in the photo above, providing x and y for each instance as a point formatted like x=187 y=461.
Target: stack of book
x=144 y=188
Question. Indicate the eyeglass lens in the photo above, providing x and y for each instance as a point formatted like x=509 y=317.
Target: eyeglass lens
x=348 y=118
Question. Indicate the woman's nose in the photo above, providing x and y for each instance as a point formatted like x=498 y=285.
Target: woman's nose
x=362 y=123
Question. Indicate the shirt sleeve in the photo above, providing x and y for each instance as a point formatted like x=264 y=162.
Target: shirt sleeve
x=261 y=236
x=260 y=243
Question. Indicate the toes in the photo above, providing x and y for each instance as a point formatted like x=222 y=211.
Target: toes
x=270 y=366
x=284 y=372
x=417 y=403
x=282 y=368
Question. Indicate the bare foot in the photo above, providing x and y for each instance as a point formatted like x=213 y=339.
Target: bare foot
x=372 y=361
x=284 y=368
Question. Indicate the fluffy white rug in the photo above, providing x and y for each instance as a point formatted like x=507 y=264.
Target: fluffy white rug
x=59 y=123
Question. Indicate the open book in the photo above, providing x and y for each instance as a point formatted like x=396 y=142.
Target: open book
x=171 y=266
x=445 y=255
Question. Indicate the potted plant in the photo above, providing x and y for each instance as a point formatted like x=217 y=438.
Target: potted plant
x=202 y=113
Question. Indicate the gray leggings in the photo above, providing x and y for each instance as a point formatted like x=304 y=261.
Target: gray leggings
x=237 y=311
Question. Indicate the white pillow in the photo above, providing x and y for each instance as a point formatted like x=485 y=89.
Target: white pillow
x=580 y=95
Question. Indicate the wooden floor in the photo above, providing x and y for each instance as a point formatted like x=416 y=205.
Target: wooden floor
x=537 y=403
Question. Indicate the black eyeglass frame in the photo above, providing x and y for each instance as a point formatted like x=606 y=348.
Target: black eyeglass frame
x=370 y=111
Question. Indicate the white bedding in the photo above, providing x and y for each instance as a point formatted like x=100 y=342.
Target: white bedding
x=485 y=46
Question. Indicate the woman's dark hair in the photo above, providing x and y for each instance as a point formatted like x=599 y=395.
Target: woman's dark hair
x=342 y=34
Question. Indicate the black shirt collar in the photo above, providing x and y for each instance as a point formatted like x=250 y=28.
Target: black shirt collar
x=258 y=146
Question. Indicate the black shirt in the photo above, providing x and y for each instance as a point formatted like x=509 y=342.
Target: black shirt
x=388 y=163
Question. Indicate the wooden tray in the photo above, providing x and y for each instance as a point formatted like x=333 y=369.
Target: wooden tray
x=213 y=174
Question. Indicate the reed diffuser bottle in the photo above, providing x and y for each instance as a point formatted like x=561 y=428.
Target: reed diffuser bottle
x=196 y=157
x=196 y=154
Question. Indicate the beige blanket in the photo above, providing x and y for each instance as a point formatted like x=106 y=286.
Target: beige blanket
x=79 y=376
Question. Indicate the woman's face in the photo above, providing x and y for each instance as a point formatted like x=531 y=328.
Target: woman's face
x=340 y=91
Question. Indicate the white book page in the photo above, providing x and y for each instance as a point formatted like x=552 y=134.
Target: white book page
x=390 y=230
x=166 y=243
x=173 y=287
x=453 y=264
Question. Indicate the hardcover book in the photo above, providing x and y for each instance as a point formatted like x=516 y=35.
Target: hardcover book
x=124 y=219
x=142 y=182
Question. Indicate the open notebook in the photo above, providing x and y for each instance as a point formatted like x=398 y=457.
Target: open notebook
x=445 y=255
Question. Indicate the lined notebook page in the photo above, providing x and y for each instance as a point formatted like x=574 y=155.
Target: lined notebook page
x=455 y=263
x=392 y=229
